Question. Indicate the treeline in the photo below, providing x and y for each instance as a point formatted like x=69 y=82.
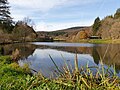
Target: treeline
x=109 y=27
x=11 y=31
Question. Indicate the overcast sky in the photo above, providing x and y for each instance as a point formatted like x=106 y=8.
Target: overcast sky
x=49 y=15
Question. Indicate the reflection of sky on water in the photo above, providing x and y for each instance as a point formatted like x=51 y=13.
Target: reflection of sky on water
x=66 y=44
x=40 y=60
x=88 y=53
x=110 y=69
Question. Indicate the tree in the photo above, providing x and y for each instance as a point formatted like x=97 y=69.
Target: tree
x=117 y=14
x=118 y=10
x=23 y=32
x=29 y=22
x=83 y=35
x=96 y=25
x=5 y=18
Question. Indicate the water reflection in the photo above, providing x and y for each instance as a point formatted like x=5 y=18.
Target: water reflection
x=40 y=60
x=95 y=55
x=37 y=55
x=24 y=49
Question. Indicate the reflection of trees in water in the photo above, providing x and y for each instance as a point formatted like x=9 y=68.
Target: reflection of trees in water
x=95 y=55
x=79 y=50
x=24 y=49
x=110 y=54
x=1 y=51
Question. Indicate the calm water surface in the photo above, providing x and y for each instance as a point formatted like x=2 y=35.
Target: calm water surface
x=37 y=55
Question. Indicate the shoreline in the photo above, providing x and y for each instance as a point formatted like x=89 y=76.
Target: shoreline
x=97 y=41
x=94 y=41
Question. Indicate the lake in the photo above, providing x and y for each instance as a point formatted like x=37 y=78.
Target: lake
x=36 y=55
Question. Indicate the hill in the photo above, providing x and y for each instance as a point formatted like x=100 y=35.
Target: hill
x=107 y=28
x=68 y=34
x=110 y=27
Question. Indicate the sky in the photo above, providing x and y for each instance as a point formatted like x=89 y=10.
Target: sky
x=51 y=15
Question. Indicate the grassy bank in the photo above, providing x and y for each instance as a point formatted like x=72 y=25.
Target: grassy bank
x=99 y=41
x=13 y=77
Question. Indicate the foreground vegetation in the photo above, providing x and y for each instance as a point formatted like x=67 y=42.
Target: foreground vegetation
x=14 y=77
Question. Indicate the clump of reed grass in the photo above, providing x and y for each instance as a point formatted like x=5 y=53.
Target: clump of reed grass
x=84 y=78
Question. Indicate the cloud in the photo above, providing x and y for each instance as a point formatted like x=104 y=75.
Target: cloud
x=18 y=17
x=45 y=5
x=42 y=5
x=32 y=7
x=44 y=26
x=40 y=12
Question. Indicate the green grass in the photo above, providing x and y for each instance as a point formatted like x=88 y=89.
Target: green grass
x=99 y=41
x=13 y=77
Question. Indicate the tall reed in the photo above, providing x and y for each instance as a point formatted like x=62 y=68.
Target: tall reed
x=84 y=78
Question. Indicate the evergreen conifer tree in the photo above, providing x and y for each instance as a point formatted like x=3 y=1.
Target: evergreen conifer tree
x=96 y=25
x=5 y=18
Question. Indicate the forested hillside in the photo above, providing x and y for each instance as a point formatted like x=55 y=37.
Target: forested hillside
x=107 y=28
x=110 y=27
x=70 y=34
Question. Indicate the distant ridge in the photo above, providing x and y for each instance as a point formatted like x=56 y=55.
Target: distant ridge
x=67 y=29
x=68 y=34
